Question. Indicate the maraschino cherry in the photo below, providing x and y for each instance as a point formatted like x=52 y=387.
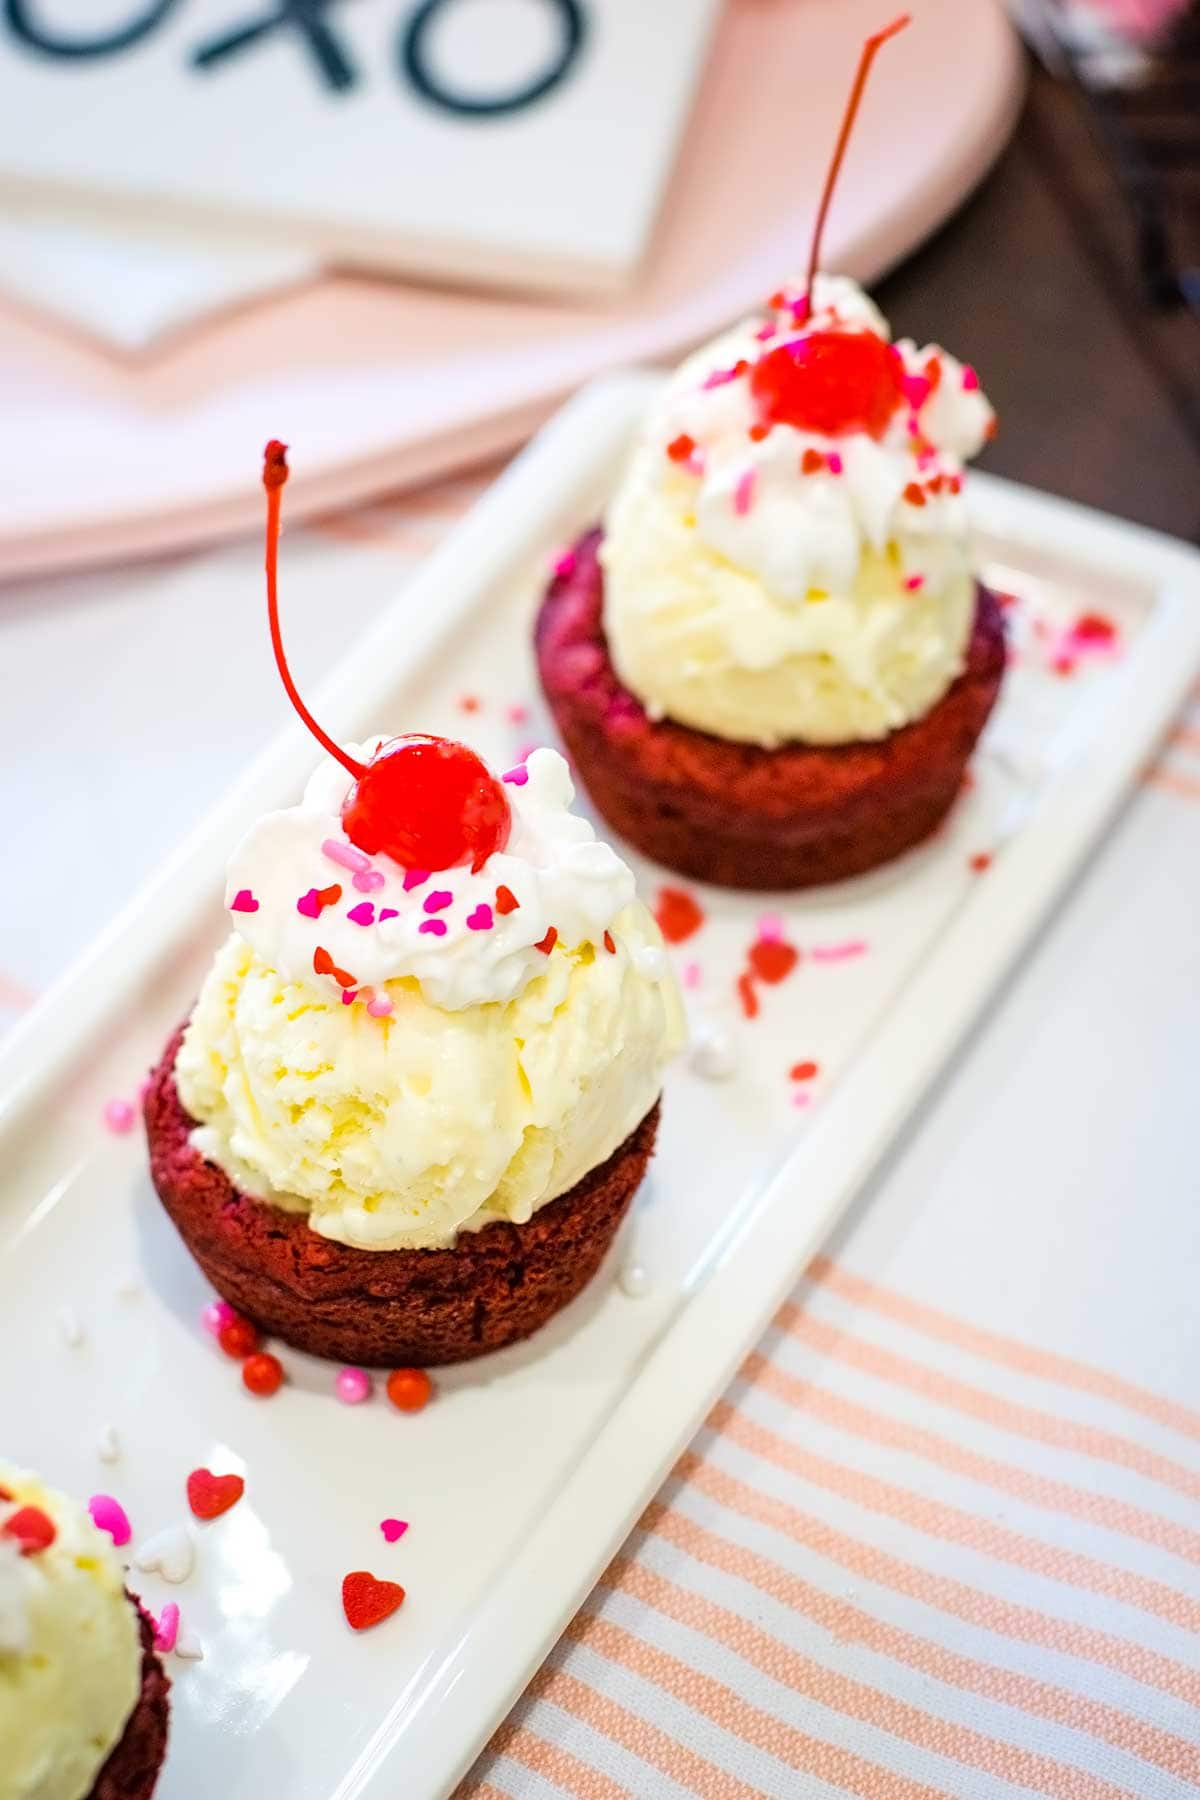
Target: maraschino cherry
x=833 y=382
x=426 y=802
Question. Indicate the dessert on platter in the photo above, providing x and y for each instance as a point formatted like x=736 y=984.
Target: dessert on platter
x=420 y=1085
x=772 y=663
x=83 y=1698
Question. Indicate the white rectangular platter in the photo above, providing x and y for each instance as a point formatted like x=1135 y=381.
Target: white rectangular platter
x=523 y=1476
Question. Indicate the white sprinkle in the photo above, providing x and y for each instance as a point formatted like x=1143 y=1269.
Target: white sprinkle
x=170 y=1553
x=634 y=1280
x=69 y=1328
x=108 y=1448
x=712 y=1054
x=188 y=1645
x=650 y=961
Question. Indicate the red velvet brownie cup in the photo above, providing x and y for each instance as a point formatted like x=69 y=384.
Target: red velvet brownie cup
x=83 y=1697
x=420 y=1085
x=773 y=663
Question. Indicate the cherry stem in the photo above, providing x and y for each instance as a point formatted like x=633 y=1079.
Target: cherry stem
x=869 y=52
x=275 y=473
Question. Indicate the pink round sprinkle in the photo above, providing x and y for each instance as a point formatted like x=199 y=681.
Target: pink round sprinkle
x=517 y=777
x=516 y=714
x=435 y=927
x=393 y=1529
x=771 y=928
x=352 y=1386
x=345 y=854
x=363 y=913
x=109 y=1515
x=693 y=975
x=167 y=1629
x=834 y=463
x=119 y=1116
x=380 y=1007
x=439 y=900
x=216 y=1316
x=243 y=901
x=801 y=1097
x=415 y=878
x=913 y=582
x=368 y=881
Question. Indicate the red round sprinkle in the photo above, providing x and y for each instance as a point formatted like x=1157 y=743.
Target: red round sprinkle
x=239 y=1338
x=262 y=1374
x=681 y=447
x=914 y=493
x=834 y=382
x=428 y=803
x=804 y=1071
x=759 y=432
x=409 y=1389
x=980 y=861
x=1094 y=628
x=31 y=1528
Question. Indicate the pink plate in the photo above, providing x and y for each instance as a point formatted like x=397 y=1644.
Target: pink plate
x=377 y=385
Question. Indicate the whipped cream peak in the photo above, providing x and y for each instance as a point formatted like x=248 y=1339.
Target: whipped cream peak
x=319 y=911
x=833 y=552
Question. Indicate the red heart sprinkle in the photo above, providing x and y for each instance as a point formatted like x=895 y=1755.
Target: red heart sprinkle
x=771 y=959
x=608 y=943
x=678 y=915
x=506 y=900
x=747 y=996
x=812 y=462
x=367 y=1602
x=329 y=896
x=33 y=1529
x=211 y=1495
x=322 y=962
x=546 y=944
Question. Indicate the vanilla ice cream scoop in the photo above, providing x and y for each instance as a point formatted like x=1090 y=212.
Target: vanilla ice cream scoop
x=788 y=556
x=70 y=1654
x=403 y=1054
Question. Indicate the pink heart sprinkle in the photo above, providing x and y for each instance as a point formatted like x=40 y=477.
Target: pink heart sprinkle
x=439 y=900
x=349 y=996
x=743 y=493
x=109 y=1515
x=380 y=1007
x=388 y=912
x=393 y=1529
x=167 y=1629
x=309 y=904
x=481 y=918
x=243 y=901
x=916 y=390
x=518 y=776
x=765 y=333
x=834 y=463
x=437 y=927
x=970 y=379
x=368 y=881
x=363 y=913
x=415 y=878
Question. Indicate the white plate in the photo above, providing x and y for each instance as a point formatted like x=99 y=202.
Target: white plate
x=526 y=1473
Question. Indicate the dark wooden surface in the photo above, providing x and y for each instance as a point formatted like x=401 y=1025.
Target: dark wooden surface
x=1099 y=399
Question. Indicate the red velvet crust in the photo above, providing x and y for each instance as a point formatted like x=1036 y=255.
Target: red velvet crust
x=385 y=1308
x=131 y=1771
x=736 y=814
